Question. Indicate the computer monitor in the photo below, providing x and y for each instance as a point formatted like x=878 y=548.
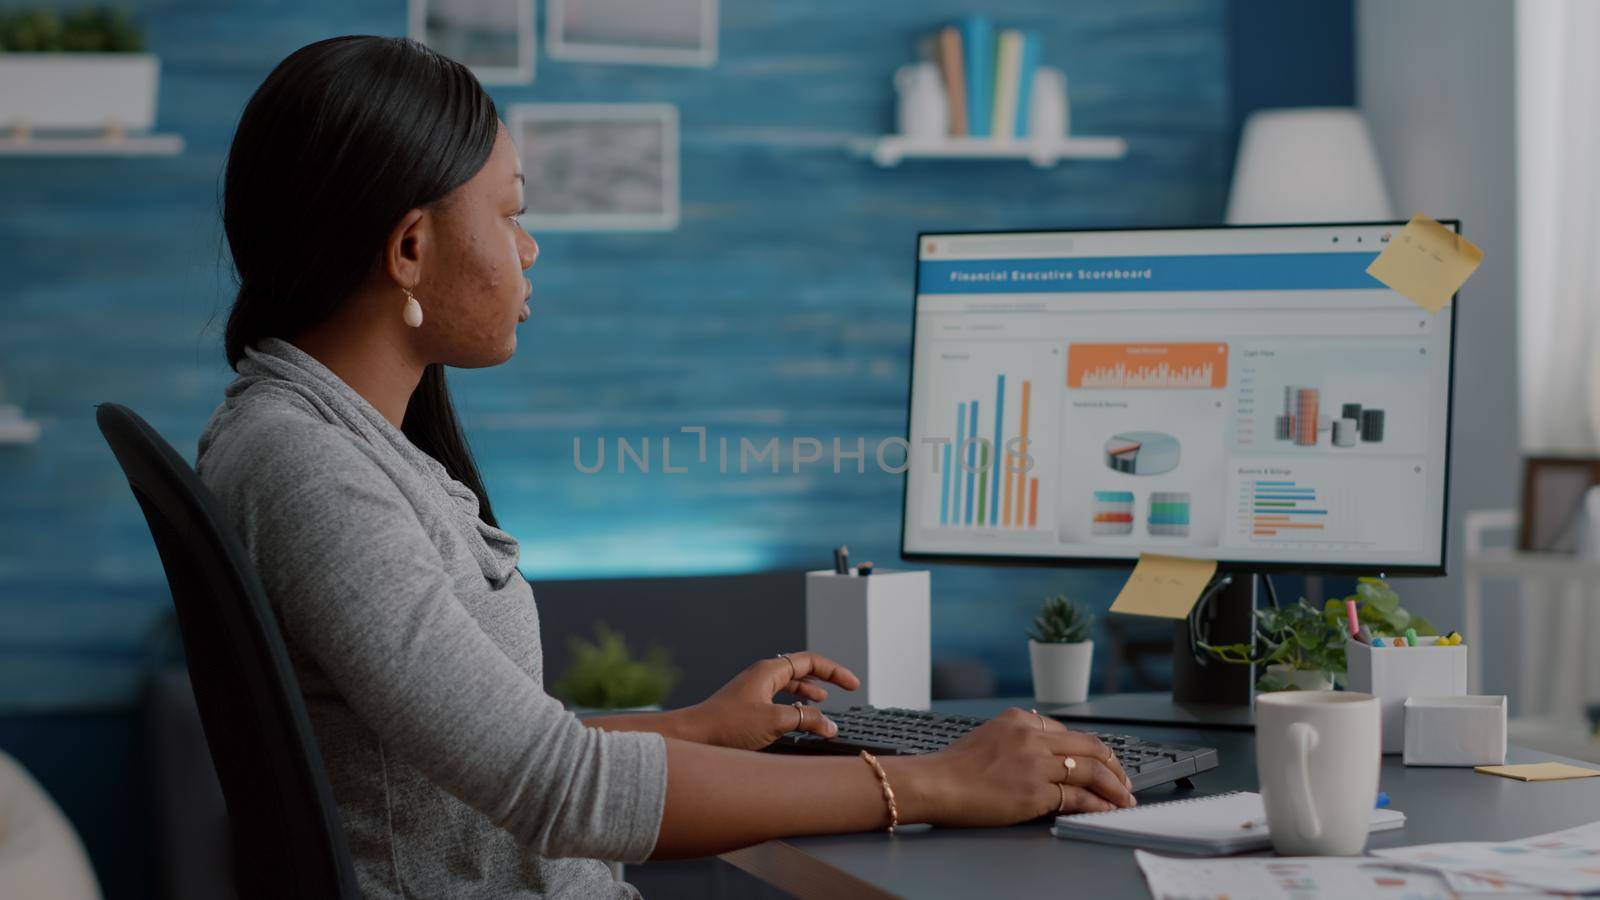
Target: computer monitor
x=1245 y=394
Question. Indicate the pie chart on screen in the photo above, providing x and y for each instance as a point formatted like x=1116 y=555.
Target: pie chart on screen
x=1142 y=452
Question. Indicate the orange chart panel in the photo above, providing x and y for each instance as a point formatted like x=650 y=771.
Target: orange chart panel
x=1118 y=366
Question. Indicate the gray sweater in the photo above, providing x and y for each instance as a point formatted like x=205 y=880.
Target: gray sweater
x=416 y=643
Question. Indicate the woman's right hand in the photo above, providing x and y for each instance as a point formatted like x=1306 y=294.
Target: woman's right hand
x=1011 y=769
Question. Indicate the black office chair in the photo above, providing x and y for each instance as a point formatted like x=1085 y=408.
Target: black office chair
x=288 y=838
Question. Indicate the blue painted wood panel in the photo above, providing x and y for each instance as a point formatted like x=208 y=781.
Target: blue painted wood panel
x=779 y=309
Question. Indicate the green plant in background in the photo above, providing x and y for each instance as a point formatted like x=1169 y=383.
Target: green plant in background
x=90 y=29
x=1378 y=607
x=604 y=676
x=1305 y=638
x=1298 y=635
x=1062 y=621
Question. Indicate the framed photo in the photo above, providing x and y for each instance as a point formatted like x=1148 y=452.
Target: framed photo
x=640 y=32
x=1552 y=499
x=493 y=38
x=598 y=166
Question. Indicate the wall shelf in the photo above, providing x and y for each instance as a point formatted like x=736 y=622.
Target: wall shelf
x=92 y=145
x=890 y=150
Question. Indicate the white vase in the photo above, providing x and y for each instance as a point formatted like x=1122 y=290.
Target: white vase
x=82 y=91
x=1302 y=679
x=1047 y=106
x=921 y=109
x=1061 y=671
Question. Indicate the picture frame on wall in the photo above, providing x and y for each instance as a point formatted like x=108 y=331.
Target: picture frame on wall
x=598 y=166
x=493 y=38
x=1553 y=489
x=633 y=32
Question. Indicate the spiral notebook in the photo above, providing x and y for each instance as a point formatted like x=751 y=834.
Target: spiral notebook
x=1219 y=824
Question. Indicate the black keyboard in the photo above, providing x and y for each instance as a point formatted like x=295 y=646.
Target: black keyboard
x=903 y=732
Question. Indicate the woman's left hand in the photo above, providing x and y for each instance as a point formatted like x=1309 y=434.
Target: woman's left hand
x=742 y=714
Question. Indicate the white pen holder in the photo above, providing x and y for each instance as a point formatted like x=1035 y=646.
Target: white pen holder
x=1394 y=673
x=879 y=626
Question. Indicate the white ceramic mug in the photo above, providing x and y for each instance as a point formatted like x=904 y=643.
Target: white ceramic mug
x=1317 y=756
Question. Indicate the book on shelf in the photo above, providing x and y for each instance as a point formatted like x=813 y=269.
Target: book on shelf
x=1007 y=72
x=977 y=44
x=955 y=80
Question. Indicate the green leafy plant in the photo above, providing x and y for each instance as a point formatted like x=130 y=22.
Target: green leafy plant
x=1305 y=638
x=1298 y=635
x=1061 y=621
x=1378 y=607
x=603 y=675
x=90 y=29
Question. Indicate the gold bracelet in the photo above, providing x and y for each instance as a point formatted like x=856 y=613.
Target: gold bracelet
x=888 y=792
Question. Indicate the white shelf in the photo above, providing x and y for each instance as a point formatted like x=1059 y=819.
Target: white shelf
x=1506 y=562
x=92 y=145
x=891 y=149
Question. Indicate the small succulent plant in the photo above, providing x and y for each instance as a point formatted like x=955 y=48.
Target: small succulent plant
x=1062 y=621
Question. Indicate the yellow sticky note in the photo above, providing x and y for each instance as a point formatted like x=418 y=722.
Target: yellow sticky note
x=1426 y=263
x=1164 y=586
x=1550 y=771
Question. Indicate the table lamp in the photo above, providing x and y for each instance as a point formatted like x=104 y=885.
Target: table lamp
x=1315 y=164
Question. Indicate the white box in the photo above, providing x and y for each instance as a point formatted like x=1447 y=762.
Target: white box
x=880 y=627
x=1394 y=673
x=1455 y=731
x=79 y=90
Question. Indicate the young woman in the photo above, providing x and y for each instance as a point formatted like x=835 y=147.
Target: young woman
x=371 y=204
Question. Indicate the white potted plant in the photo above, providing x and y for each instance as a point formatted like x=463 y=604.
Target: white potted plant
x=1061 y=652
x=81 y=71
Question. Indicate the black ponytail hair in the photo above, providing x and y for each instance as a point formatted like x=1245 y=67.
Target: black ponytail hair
x=342 y=139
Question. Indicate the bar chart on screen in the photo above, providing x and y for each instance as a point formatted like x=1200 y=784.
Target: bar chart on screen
x=1001 y=427
x=1153 y=366
x=1285 y=510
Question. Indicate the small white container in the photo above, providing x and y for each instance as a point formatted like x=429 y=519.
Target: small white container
x=1455 y=731
x=1061 y=671
x=83 y=91
x=880 y=627
x=1394 y=673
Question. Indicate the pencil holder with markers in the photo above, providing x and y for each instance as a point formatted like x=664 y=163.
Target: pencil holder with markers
x=1422 y=667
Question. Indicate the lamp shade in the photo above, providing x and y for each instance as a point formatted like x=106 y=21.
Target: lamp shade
x=1307 y=165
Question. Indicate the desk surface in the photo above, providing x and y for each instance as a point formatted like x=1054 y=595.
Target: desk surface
x=1441 y=804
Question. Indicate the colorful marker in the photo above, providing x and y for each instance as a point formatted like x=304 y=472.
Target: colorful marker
x=1364 y=635
x=1350 y=611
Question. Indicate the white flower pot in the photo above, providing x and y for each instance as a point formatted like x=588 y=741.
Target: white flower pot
x=1061 y=671
x=72 y=91
x=1303 y=679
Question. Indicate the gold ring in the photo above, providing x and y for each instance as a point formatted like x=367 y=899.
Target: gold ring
x=801 y=709
x=1041 y=719
x=1062 y=806
x=793 y=672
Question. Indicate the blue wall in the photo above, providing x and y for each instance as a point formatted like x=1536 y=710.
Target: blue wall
x=779 y=308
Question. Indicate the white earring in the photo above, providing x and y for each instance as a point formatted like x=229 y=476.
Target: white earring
x=413 y=311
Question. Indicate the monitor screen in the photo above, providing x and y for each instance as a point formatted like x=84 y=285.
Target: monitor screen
x=1243 y=394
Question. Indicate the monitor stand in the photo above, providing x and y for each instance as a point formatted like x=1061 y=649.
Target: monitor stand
x=1210 y=695
x=1228 y=618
